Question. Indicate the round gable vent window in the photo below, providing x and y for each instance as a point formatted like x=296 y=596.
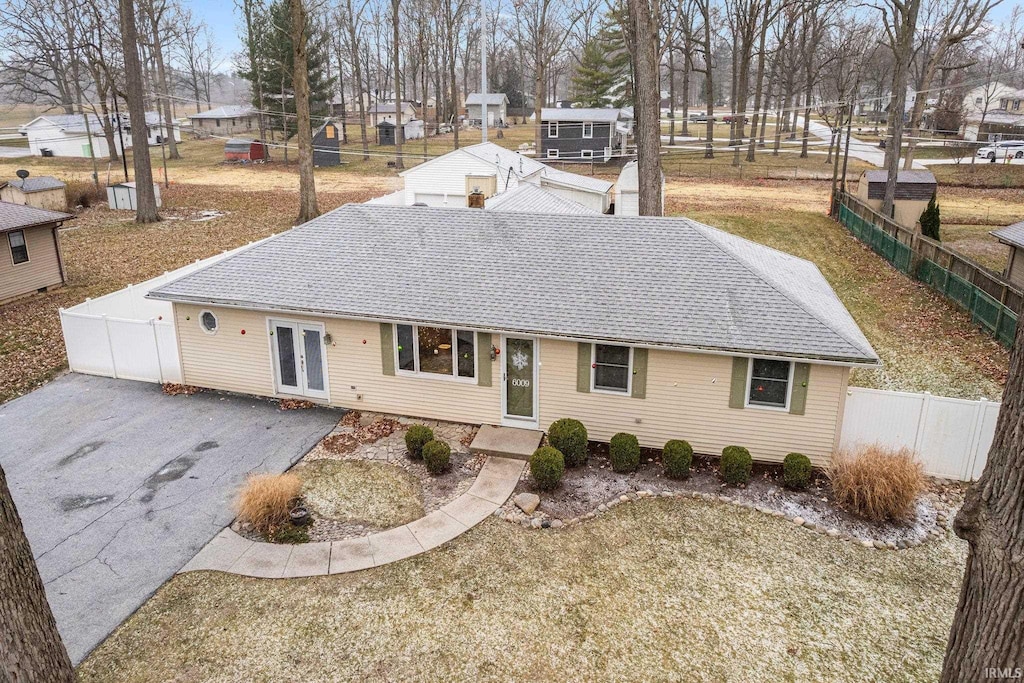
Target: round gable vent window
x=208 y=321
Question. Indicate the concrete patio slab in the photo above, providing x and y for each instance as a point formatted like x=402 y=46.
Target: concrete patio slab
x=308 y=559
x=509 y=442
x=393 y=545
x=351 y=555
x=222 y=551
x=436 y=528
x=469 y=510
x=263 y=560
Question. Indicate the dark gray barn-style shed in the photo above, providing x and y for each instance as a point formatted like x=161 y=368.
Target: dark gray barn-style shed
x=327 y=145
x=385 y=133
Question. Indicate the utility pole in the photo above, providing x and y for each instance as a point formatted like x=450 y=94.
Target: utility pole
x=483 y=73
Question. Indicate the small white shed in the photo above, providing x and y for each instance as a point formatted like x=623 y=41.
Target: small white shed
x=123 y=196
x=627 y=191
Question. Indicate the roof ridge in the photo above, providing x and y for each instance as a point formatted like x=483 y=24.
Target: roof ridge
x=700 y=228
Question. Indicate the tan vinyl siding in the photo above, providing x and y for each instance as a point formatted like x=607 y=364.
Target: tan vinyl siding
x=687 y=395
x=234 y=362
x=41 y=270
x=688 y=398
x=51 y=200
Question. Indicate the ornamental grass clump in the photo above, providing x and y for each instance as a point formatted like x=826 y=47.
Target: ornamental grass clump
x=736 y=465
x=416 y=438
x=570 y=437
x=266 y=500
x=547 y=465
x=624 y=450
x=436 y=456
x=876 y=482
x=676 y=458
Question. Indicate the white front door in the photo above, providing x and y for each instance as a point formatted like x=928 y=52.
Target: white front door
x=519 y=381
x=300 y=358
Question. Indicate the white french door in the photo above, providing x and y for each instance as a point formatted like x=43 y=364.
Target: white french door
x=300 y=358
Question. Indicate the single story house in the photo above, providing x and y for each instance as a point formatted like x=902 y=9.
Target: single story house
x=64 y=135
x=385 y=111
x=579 y=134
x=227 y=120
x=243 y=149
x=497 y=108
x=627 y=190
x=1013 y=237
x=42 y=192
x=32 y=262
x=448 y=179
x=662 y=327
x=913 y=191
x=528 y=198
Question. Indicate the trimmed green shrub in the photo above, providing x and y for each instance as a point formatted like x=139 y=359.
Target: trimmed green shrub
x=436 y=456
x=416 y=438
x=736 y=464
x=796 y=471
x=931 y=220
x=570 y=437
x=547 y=465
x=676 y=458
x=624 y=450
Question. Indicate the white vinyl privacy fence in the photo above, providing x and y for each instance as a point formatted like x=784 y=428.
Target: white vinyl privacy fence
x=950 y=436
x=125 y=335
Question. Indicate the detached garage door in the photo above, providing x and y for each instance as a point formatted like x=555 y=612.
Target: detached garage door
x=439 y=199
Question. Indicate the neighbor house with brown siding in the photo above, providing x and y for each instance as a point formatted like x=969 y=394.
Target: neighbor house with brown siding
x=662 y=327
x=30 y=258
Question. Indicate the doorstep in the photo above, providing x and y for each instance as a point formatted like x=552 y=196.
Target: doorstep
x=508 y=442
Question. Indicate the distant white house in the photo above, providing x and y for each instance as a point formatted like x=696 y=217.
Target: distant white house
x=989 y=97
x=64 y=135
x=385 y=111
x=492 y=169
x=226 y=120
x=497 y=108
x=156 y=129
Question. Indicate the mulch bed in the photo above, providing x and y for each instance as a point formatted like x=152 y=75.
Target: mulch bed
x=584 y=488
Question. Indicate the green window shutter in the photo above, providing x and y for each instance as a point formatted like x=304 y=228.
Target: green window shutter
x=387 y=348
x=639 y=373
x=583 y=356
x=798 y=397
x=738 y=386
x=483 y=362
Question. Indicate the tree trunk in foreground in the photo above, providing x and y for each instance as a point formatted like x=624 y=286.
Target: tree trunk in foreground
x=308 y=208
x=987 y=636
x=30 y=647
x=146 y=211
x=395 y=54
x=644 y=15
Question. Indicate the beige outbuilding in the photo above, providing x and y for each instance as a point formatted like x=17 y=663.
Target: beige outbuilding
x=662 y=327
x=42 y=192
x=913 y=190
x=30 y=260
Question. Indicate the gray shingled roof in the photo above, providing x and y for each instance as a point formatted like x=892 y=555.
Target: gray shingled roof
x=658 y=281
x=527 y=198
x=230 y=111
x=925 y=177
x=36 y=184
x=1011 y=234
x=583 y=182
x=18 y=216
x=495 y=98
x=578 y=114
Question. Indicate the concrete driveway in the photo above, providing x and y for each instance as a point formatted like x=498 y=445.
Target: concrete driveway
x=119 y=485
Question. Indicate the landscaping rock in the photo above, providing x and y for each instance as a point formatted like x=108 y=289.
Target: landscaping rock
x=867 y=543
x=879 y=545
x=799 y=521
x=833 y=532
x=556 y=524
x=527 y=502
x=535 y=523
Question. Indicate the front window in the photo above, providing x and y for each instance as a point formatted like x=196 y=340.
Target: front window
x=552 y=129
x=588 y=130
x=19 y=250
x=612 y=368
x=769 y=383
x=436 y=351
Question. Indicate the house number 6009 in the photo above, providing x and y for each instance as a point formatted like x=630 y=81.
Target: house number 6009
x=516 y=382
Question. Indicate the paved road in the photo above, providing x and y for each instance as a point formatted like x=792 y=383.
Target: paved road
x=119 y=485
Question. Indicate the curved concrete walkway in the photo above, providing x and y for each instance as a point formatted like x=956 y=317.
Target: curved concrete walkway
x=231 y=553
